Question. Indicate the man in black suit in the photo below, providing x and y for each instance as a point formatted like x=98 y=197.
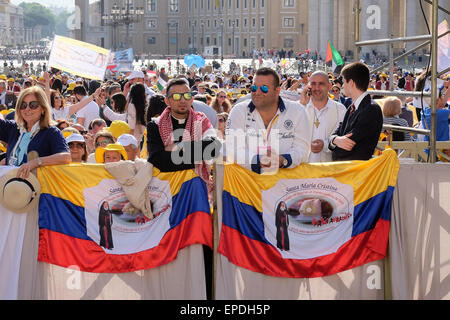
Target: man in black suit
x=358 y=134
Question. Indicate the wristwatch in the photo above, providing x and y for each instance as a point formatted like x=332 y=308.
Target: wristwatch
x=39 y=161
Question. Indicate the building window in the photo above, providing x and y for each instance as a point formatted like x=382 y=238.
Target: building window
x=288 y=43
x=152 y=24
x=288 y=22
x=288 y=3
x=151 y=40
x=262 y=22
x=173 y=6
x=151 y=5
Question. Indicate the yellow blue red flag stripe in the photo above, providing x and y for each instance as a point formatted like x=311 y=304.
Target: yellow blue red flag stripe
x=311 y=221
x=71 y=219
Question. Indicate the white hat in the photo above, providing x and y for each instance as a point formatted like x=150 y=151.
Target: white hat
x=79 y=80
x=19 y=195
x=127 y=139
x=135 y=74
x=75 y=137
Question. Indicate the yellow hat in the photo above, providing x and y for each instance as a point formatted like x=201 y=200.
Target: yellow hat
x=118 y=128
x=2 y=77
x=11 y=80
x=2 y=147
x=5 y=112
x=71 y=86
x=100 y=152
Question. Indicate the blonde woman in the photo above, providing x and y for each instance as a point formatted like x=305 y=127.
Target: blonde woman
x=33 y=130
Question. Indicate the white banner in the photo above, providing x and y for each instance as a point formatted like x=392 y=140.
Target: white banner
x=79 y=58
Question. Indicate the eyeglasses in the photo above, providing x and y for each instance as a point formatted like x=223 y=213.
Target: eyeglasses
x=57 y=98
x=76 y=145
x=223 y=97
x=33 y=105
x=264 y=89
x=221 y=120
x=178 y=96
x=335 y=91
x=103 y=143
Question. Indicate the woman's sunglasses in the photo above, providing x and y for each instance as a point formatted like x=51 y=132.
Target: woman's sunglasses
x=178 y=96
x=264 y=89
x=77 y=145
x=33 y=105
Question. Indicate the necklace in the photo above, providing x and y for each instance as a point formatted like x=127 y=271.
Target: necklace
x=316 y=122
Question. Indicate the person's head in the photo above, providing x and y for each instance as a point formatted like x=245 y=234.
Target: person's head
x=118 y=102
x=335 y=91
x=356 y=78
x=77 y=146
x=96 y=125
x=130 y=145
x=179 y=98
x=2 y=86
x=266 y=88
x=113 y=152
x=56 y=99
x=62 y=124
x=392 y=107
x=222 y=119
x=113 y=89
x=201 y=88
x=103 y=138
x=57 y=85
x=32 y=106
x=156 y=107
x=319 y=84
x=79 y=92
x=221 y=103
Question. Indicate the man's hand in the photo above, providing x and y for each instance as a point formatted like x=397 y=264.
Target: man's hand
x=345 y=142
x=317 y=146
x=304 y=97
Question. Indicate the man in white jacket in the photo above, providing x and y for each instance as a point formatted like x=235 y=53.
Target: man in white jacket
x=324 y=114
x=268 y=132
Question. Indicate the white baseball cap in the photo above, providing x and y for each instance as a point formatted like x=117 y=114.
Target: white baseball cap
x=75 y=137
x=127 y=139
x=135 y=74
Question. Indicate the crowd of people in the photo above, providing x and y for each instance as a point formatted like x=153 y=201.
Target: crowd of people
x=314 y=117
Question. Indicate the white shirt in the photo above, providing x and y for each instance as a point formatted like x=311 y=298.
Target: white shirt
x=357 y=102
x=328 y=118
x=89 y=113
x=62 y=113
x=288 y=134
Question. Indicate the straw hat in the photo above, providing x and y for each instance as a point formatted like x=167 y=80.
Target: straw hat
x=100 y=152
x=19 y=195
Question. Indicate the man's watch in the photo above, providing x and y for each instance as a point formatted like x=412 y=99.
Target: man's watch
x=39 y=161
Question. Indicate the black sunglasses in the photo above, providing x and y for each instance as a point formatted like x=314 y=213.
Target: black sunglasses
x=33 y=105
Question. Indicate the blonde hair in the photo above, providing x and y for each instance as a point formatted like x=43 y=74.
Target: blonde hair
x=46 y=117
x=392 y=107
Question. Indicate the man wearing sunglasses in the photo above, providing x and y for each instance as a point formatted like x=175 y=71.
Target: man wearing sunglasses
x=269 y=132
x=181 y=138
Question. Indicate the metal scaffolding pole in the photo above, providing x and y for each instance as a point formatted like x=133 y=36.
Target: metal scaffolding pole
x=434 y=54
x=433 y=39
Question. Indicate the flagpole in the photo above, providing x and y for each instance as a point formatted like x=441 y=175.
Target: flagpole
x=215 y=233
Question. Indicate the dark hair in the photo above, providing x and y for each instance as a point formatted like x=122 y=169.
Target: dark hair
x=269 y=72
x=201 y=97
x=175 y=82
x=113 y=87
x=79 y=90
x=120 y=102
x=93 y=85
x=57 y=85
x=359 y=73
x=138 y=98
x=96 y=122
x=156 y=107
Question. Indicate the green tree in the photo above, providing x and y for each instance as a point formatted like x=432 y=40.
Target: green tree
x=35 y=15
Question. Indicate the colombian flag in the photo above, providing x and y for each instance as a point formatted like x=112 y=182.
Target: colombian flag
x=83 y=221
x=311 y=221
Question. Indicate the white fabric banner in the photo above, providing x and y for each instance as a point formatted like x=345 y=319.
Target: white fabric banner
x=79 y=58
x=12 y=231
